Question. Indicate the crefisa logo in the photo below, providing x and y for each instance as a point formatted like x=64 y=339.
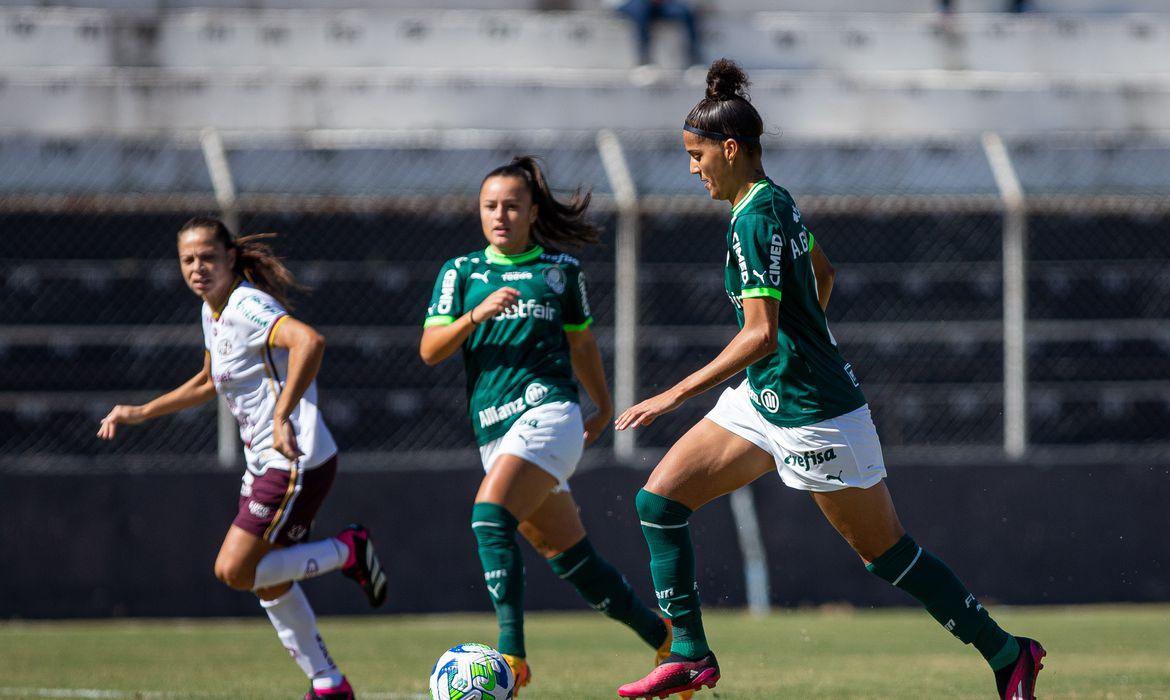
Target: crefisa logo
x=810 y=459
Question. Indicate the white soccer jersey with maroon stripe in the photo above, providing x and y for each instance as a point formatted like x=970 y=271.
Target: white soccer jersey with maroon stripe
x=250 y=373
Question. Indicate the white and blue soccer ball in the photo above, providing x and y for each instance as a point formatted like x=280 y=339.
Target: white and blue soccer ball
x=471 y=672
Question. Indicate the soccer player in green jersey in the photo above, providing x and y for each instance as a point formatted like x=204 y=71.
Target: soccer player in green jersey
x=519 y=312
x=800 y=411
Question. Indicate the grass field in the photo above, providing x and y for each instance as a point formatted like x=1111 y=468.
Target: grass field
x=1094 y=652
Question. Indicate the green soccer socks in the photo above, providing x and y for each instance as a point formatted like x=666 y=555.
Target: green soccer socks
x=672 y=568
x=503 y=571
x=607 y=591
x=927 y=578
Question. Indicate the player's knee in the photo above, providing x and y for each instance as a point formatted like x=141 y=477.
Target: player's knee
x=235 y=575
x=273 y=592
x=493 y=525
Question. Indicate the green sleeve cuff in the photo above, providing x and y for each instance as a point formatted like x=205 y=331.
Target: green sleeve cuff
x=570 y=327
x=811 y=241
x=756 y=292
x=438 y=321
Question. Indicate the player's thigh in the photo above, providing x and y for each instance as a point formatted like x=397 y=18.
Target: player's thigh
x=866 y=518
x=516 y=484
x=555 y=526
x=707 y=462
x=238 y=556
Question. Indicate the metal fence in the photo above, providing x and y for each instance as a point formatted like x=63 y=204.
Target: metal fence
x=994 y=302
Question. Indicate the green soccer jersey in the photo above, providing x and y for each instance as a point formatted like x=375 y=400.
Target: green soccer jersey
x=520 y=358
x=768 y=255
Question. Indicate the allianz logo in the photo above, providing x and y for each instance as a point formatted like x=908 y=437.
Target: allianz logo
x=810 y=459
x=534 y=395
x=528 y=308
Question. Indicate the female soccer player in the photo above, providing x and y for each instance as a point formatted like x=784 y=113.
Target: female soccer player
x=521 y=316
x=800 y=411
x=265 y=364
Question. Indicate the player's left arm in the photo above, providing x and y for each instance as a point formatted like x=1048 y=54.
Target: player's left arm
x=306 y=348
x=590 y=372
x=825 y=275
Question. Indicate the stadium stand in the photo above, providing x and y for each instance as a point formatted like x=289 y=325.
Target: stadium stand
x=879 y=104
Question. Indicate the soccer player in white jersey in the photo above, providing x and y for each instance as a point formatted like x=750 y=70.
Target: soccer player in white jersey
x=800 y=411
x=264 y=363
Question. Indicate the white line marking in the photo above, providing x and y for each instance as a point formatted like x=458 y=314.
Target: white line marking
x=573 y=570
x=662 y=527
x=900 y=576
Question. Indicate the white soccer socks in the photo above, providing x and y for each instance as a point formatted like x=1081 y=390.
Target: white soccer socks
x=296 y=625
x=300 y=562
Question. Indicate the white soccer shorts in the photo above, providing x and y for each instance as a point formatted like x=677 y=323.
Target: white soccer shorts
x=551 y=436
x=834 y=454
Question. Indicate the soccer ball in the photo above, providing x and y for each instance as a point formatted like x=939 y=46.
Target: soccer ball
x=471 y=672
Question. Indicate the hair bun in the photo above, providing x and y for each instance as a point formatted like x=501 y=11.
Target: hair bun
x=726 y=81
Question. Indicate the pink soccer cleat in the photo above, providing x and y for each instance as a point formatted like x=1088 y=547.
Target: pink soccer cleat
x=674 y=675
x=362 y=564
x=1018 y=681
x=341 y=692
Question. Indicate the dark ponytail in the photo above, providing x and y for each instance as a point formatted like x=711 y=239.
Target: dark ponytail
x=558 y=224
x=255 y=259
x=727 y=112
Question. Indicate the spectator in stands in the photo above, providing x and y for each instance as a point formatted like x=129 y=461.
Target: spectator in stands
x=643 y=13
x=947 y=6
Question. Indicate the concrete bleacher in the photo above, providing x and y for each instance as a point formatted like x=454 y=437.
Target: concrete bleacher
x=1061 y=45
x=726 y=6
x=99 y=69
x=132 y=101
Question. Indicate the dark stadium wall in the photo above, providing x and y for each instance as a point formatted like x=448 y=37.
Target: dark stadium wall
x=143 y=544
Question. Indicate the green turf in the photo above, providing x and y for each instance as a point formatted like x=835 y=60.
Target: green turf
x=1094 y=652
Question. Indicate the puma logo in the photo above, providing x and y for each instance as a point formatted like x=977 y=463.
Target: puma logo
x=830 y=477
x=495 y=590
x=482 y=276
x=761 y=276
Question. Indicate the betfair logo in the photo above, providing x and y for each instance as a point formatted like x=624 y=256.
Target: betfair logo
x=528 y=308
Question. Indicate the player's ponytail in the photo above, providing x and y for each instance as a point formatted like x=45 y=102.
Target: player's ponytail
x=726 y=112
x=255 y=259
x=558 y=224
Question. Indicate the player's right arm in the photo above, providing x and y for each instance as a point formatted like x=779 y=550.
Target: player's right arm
x=195 y=391
x=442 y=341
x=447 y=325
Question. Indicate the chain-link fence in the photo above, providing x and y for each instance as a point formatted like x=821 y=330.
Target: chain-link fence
x=95 y=312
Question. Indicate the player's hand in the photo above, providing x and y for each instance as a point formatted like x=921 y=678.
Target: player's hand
x=284 y=439
x=499 y=300
x=595 y=425
x=129 y=415
x=648 y=411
